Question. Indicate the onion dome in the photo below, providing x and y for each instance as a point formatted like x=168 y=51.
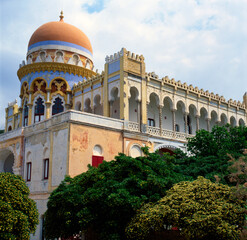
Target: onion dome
x=60 y=36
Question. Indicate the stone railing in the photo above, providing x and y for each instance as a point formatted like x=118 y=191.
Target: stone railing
x=167 y=133
x=153 y=131
x=132 y=126
x=180 y=136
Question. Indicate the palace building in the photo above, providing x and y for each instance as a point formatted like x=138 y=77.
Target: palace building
x=71 y=116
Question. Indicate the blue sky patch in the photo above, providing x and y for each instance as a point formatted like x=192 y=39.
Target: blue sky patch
x=206 y=25
x=96 y=6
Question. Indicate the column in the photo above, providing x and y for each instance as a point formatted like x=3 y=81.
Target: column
x=67 y=104
x=139 y=111
x=208 y=124
x=92 y=100
x=82 y=101
x=30 y=97
x=106 y=110
x=160 y=118
x=186 y=122
x=197 y=122
x=48 y=105
x=173 y=120
x=6 y=119
x=30 y=106
x=147 y=112
x=21 y=115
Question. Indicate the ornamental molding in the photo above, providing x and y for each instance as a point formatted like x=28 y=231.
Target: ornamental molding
x=54 y=66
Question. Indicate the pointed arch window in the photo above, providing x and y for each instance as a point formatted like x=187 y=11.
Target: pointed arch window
x=39 y=111
x=25 y=119
x=57 y=107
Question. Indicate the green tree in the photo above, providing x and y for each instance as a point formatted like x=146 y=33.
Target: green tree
x=61 y=218
x=238 y=175
x=106 y=198
x=218 y=142
x=18 y=213
x=201 y=209
x=210 y=153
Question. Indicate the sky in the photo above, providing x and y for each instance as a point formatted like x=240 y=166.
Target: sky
x=203 y=43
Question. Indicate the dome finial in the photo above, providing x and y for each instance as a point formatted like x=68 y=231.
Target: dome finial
x=61 y=16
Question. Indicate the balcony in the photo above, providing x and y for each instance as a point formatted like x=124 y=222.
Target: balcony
x=157 y=132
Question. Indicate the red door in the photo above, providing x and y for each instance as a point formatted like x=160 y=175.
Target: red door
x=96 y=160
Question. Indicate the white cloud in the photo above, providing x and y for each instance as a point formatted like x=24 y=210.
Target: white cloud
x=199 y=42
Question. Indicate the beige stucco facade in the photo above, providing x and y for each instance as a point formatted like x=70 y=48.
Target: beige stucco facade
x=82 y=141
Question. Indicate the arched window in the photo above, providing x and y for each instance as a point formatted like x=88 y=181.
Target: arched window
x=39 y=110
x=177 y=128
x=9 y=128
x=25 y=119
x=57 y=107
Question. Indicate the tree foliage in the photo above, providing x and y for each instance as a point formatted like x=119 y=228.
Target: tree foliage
x=218 y=142
x=209 y=152
x=64 y=203
x=201 y=209
x=18 y=213
x=106 y=198
x=238 y=175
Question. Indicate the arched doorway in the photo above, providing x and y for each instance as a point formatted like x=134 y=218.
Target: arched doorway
x=6 y=161
x=165 y=149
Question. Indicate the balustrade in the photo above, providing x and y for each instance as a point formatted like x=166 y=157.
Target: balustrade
x=153 y=131
x=156 y=131
x=133 y=126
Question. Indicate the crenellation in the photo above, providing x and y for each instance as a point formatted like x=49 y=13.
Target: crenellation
x=196 y=90
x=115 y=56
x=131 y=55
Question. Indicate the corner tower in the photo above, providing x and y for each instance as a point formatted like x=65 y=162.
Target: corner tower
x=59 y=55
